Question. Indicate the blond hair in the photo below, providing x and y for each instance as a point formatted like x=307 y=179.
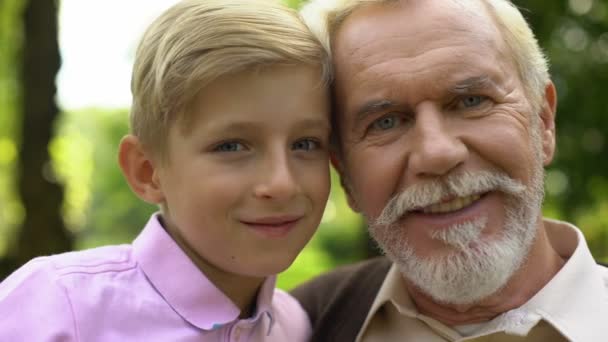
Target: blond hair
x=195 y=42
x=324 y=18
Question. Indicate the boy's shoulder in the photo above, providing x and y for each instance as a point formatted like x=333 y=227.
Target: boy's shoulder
x=285 y=304
x=70 y=270
x=289 y=318
x=45 y=296
x=114 y=258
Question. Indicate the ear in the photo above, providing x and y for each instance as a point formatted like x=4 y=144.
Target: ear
x=139 y=170
x=547 y=117
x=336 y=162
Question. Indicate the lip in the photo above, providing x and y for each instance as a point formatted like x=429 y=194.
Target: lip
x=473 y=198
x=437 y=221
x=273 y=226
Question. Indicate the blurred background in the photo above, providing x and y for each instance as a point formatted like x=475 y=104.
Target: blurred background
x=65 y=69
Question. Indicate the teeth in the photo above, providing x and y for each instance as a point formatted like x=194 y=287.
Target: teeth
x=453 y=205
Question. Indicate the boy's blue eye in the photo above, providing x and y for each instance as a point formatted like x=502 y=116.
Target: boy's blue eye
x=230 y=146
x=306 y=144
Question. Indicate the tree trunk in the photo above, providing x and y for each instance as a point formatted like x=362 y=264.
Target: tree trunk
x=43 y=231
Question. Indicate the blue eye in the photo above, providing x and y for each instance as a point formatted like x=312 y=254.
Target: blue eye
x=385 y=123
x=471 y=101
x=306 y=144
x=230 y=146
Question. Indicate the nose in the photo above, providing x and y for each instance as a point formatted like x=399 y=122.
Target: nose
x=436 y=149
x=277 y=179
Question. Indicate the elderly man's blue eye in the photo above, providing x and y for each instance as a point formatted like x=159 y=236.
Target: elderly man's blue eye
x=385 y=123
x=472 y=101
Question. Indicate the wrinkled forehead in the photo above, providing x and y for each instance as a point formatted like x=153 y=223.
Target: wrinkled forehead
x=412 y=26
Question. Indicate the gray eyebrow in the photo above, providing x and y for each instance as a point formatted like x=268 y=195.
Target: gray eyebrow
x=372 y=107
x=472 y=84
x=466 y=86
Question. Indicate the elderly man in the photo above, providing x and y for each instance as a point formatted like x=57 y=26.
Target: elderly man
x=444 y=114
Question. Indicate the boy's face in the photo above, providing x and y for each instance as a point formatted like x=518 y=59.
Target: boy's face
x=245 y=185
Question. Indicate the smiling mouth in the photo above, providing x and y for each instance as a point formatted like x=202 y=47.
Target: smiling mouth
x=451 y=205
x=270 y=225
x=273 y=222
x=273 y=227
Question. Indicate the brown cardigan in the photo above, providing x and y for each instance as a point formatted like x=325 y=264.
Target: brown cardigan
x=338 y=302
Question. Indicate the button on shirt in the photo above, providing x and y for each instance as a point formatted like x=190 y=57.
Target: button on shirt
x=147 y=291
x=573 y=306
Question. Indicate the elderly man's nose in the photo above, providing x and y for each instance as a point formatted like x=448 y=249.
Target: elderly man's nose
x=435 y=149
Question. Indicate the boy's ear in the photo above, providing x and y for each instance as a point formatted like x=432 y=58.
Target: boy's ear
x=139 y=170
x=547 y=123
x=336 y=162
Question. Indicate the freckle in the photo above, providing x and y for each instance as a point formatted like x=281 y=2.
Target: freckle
x=232 y=257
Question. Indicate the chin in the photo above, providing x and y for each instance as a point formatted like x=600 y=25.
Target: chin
x=266 y=269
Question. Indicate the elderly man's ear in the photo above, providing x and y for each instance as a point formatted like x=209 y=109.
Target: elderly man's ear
x=547 y=124
x=337 y=164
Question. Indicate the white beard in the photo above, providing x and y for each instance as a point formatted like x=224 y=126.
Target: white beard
x=471 y=271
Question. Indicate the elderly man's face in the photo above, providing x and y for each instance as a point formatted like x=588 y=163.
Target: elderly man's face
x=430 y=104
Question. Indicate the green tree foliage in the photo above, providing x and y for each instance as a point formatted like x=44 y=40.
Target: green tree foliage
x=40 y=62
x=37 y=68
x=11 y=212
x=574 y=34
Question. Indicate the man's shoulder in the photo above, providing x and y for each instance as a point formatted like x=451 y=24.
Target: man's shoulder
x=337 y=302
x=343 y=276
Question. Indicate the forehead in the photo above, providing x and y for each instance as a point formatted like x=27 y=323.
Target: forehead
x=422 y=43
x=414 y=21
x=264 y=98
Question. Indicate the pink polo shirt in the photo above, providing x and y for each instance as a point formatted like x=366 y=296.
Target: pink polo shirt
x=147 y=291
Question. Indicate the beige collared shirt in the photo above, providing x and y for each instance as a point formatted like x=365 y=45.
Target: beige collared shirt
x=573 y=306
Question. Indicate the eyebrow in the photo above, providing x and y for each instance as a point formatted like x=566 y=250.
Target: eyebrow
x=253 y=125
x=465 y=86
x=472 y=84
x=374 y=106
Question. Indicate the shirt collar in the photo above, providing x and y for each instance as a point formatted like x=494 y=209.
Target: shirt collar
x=391 y=291
x=184 y=287
x=575 y=301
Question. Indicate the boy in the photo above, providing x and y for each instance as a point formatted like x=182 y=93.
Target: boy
x=230 y=129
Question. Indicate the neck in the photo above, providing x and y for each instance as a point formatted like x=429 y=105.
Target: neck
x=542 y=263
x=241 y=289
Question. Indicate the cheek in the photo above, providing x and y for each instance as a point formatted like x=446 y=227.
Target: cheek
x=214 y=191
x=506 y=147
x=374 y=175
x=315 y=182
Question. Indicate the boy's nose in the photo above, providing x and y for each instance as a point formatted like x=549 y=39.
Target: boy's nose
x=277 y=180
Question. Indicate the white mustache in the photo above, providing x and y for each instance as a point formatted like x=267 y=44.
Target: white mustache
x=462 y=184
